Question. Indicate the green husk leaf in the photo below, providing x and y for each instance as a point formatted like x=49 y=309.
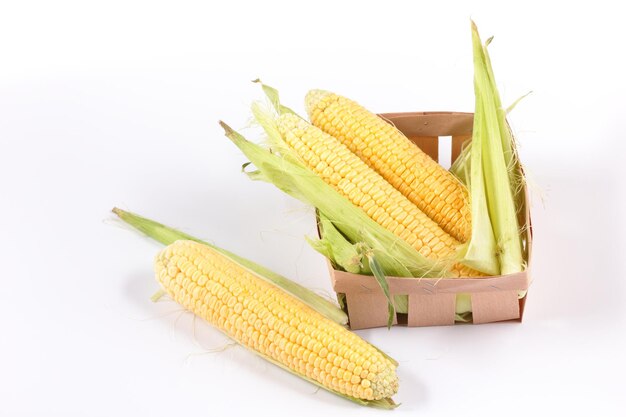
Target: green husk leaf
x=463 y=317
x=498 y=162
x=480 y=251
x=490 y=168
x=347 y=256
x=516 y=177
x=341 y=299
x=166 y=235
x=266 y=119
x=274 y=98
x=460 y=167
x=395 y=256
x=463 y=305
x=334 y=246
x=401 y=303
x=324 y=247
x=516 y=102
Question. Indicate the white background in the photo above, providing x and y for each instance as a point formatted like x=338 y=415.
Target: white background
x=117 y=103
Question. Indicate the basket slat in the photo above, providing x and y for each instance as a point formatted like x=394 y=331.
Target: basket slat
x=367 y=310
x=431 y=309
x=493 y=306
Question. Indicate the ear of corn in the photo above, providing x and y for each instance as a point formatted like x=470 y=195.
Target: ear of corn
x=299 y=182
x=269 y=321
x=332 y=244
x=167 y=235
x=353 y=179
x=398 y=160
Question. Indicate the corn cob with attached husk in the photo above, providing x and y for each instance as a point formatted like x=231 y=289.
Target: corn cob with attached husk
x=167 y=235
x=214 y=282
x=398 y=160
x=269 y=321
x=366 y=189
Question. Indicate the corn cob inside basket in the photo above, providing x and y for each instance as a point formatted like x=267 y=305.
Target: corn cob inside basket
x=366 y=189
x=429 y=186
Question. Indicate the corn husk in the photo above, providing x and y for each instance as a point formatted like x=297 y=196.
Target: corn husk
x=334 y=246
x=460 y=167
x=490 y=168
x=347 y=256
x=167 y=235
x=272 y=94
x=480 y=252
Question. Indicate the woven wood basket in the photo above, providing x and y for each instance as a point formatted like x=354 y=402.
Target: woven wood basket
x=432 y=301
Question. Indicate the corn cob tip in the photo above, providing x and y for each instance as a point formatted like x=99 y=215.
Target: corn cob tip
x=228 y=131
x=313 y=98
x=122 y=214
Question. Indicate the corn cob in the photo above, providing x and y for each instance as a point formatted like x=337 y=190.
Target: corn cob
x=385 y=149
x=266 y=319
x=366 y=189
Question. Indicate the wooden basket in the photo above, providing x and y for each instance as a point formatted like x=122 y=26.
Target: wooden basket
x=432 y=301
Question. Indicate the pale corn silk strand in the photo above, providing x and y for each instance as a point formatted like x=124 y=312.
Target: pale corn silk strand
x=163 y=297
x=205 y=351
x=264 y=318
x=308 y=213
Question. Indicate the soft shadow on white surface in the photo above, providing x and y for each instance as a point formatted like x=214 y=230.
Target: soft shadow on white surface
x=577 y=268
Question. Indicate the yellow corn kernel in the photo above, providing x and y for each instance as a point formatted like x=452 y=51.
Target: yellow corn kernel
x=385 y=205
x=268 y=320
x=390 y=153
